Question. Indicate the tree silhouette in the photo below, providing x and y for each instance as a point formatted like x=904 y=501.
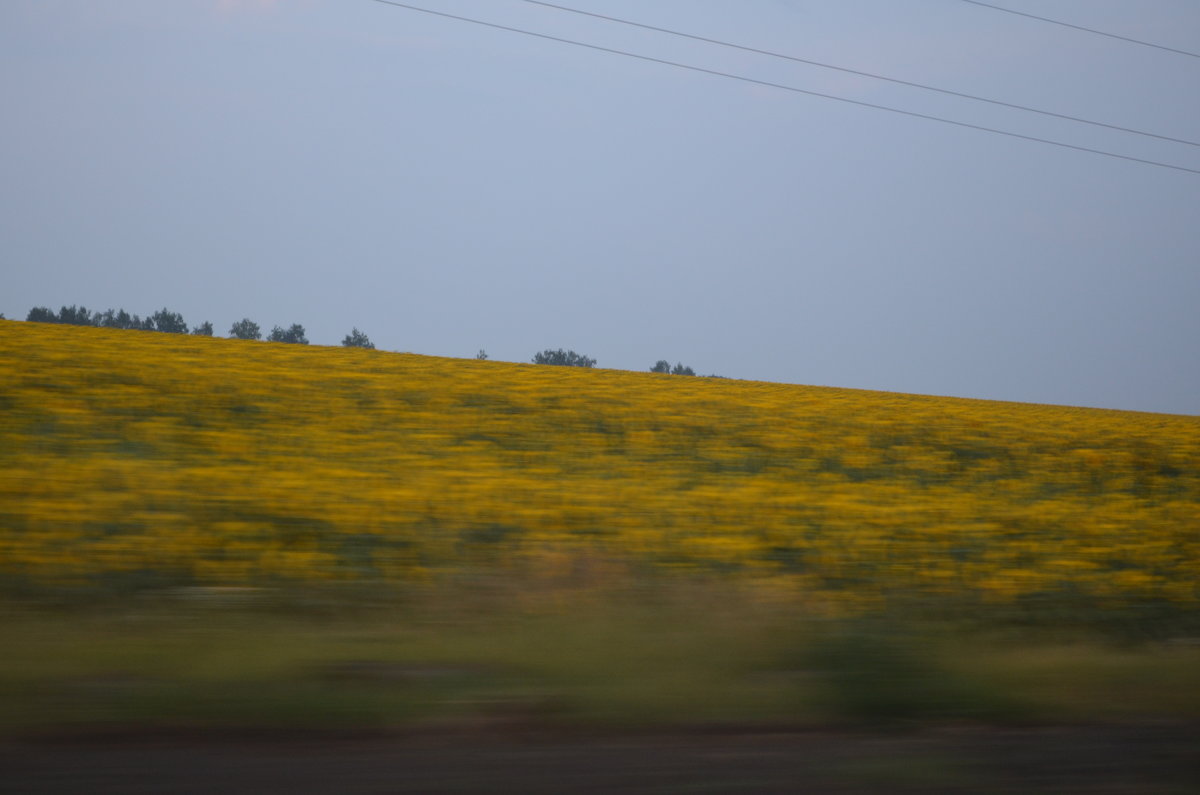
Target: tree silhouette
x=41 y=314
x=663 y=366
x=294 y=335
x=356 y=339
x=245 y=329
x=563 y=358
x=168 y=321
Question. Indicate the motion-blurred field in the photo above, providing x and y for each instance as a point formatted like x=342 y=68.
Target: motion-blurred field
x=162 y=473
x=141 y=459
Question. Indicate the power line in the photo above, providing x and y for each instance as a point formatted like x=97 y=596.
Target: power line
x=1080 y=27
x=863 y=74
x=783 y=87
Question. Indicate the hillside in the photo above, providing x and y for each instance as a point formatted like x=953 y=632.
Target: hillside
x=137 y=459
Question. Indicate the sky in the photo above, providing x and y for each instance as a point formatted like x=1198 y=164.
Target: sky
x=447 y=187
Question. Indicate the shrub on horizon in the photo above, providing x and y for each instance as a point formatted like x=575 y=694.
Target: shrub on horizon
x=563 y=358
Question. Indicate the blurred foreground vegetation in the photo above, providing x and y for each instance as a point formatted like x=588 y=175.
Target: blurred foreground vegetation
x=690 y=656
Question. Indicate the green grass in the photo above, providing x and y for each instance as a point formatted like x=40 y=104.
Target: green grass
x=658 y=657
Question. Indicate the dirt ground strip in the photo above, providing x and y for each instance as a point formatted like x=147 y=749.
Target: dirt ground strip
x=1161 y=758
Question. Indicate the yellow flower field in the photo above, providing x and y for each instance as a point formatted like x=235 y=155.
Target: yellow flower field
x=176 y=460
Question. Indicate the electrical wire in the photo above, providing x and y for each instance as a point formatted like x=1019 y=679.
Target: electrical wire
x=794 y=89
x=1080 y=27
x=863 y=74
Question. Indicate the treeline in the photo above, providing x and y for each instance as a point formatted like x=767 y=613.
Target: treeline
x=663 y=366
x=164 y=320
x=572 y=359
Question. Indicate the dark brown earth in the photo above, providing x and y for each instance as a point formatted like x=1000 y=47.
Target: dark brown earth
x=1153 y=758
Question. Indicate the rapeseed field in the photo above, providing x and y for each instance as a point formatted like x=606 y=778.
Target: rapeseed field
x=137 y=459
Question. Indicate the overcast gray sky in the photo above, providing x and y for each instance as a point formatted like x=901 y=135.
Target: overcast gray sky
x=447 y=187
